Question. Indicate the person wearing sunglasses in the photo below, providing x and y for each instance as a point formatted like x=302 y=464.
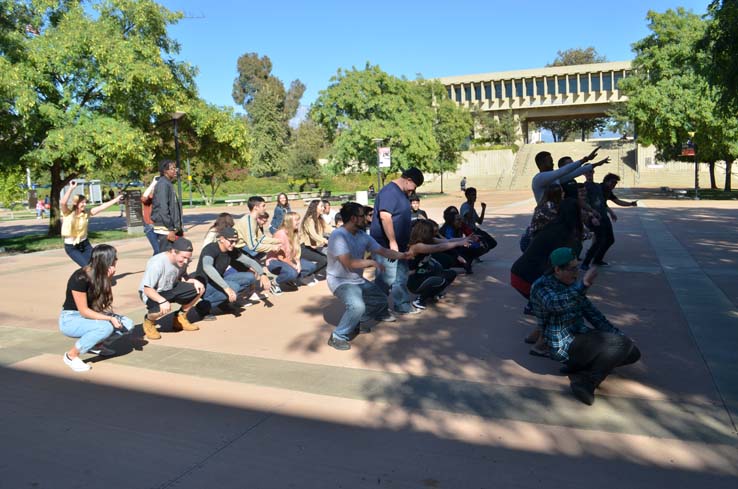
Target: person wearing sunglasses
x=222 y=284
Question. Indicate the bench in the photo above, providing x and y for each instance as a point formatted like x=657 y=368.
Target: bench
x=679 y=194
x=232 y=202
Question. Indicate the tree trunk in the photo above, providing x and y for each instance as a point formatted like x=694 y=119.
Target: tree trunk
x=713 y=185
x=57 y=184
x=728 y=173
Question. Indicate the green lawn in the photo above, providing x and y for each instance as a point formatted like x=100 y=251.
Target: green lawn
x=706 y=194
x=39 y=242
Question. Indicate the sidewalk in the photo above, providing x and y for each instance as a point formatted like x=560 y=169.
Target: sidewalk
x=448 y=399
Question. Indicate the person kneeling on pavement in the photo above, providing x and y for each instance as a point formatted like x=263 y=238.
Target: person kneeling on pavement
x=560 y=304
x=224 y=284
x=165 y=281
x=364 y=300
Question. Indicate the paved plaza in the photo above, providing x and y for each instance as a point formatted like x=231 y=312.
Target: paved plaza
x=449 y=398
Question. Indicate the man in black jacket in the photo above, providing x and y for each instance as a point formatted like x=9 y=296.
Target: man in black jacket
x=166 y=210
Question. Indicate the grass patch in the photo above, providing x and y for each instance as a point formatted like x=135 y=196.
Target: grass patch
x=40 y=242
x=709 y=194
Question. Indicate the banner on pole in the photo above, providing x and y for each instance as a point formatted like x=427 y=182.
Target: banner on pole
x=385 y=159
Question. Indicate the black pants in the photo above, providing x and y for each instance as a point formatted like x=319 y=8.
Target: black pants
x=595 y=354
x=604 y=238
x=429 y=285
x=182 y=293
x=315 y=256
x=488 y=241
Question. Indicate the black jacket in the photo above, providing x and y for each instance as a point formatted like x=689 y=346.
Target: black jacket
x=166 y=210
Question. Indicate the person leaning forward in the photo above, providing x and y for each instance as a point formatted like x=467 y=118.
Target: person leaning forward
x=252 y=239
x=166 y=281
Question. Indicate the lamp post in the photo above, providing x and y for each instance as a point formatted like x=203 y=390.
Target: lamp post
x=696 y=167
x=378 y=141
x=176 y=116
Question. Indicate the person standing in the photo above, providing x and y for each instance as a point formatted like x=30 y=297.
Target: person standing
x=547 y=175
x=75 y=223
x=462 y=184
x=146 y=204
x=391 y=229
x=166 y=210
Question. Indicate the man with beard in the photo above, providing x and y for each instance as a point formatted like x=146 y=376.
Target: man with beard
x=364 y=300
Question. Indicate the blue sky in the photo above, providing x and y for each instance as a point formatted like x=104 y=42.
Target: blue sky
x=310 y=40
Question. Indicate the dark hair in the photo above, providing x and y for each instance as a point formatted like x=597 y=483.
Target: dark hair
x=164 y=166
x=368 y=210
x=541 y=158
x=414 y=198
x=611 y=176
x=349 y=210
x=337 y=219
x=286 y=200
x=100 y=293
x=449 y=214
x=564 y=160
x=422 y=232
x=325 y=201
x=311 y=216
x=224 y=220
x=469 y=191
x=253 y=201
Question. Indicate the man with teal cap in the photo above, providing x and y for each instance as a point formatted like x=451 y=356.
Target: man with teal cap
x=561 y=305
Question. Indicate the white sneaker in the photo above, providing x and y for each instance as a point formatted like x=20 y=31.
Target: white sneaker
x=313 y=282
x=257 y=297
x=76 y=364
x=276 y=290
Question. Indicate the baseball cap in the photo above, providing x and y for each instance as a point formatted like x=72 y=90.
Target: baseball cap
x=182 y=244
x=228 y=233
x=415 y=175
x=561 y=256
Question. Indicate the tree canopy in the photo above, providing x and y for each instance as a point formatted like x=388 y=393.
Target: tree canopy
x=415 y=119
x=269 y=107
x=721 y=41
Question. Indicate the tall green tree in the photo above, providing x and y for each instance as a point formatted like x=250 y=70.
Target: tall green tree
x=307 y=147
x=269 y=107
x=721 y=41
x=562 y=129
x=84 y=83
x=669 y=97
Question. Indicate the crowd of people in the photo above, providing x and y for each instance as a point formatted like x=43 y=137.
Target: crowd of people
x=244 y=260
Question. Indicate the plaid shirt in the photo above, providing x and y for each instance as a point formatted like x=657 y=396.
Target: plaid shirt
x=561 y=310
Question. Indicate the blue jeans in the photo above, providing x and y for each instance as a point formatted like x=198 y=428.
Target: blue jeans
x=81 y=253
x=238 y=281
x=152 y=237
x=363 y=302
x=394 y=278
x=89 y=331
x=287 y=273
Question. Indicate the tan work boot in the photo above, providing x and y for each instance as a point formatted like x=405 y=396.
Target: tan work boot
x=150 y=330
x=180 y=322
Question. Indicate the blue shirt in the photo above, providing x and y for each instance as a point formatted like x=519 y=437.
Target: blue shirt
x=393 y=200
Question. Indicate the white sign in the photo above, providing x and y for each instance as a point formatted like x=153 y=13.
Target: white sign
x=385 y=160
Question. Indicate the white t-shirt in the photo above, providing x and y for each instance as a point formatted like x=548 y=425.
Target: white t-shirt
x=161 y=274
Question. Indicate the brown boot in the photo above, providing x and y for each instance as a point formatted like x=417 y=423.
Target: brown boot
x=150 y=330
x=180 y=322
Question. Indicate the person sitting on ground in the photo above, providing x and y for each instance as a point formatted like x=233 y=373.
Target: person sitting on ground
x=252 y=239
x=561 y=305
x=165 y=281
x=453 y=228
x=223 y=221
x=338 y=221
x=282 y=207
x=369 y=214
x=547 y=175
x=312 y=236
x=328 y=215
x=448 y=258
x=564 y=231
x=604 y=234
x=75 y=224
x=363 y=300
x=473 y=220
x=415 y=211
x=87 y=312
x=546 y=211
x=287 y=262
x=224 y=285
x=427 y=278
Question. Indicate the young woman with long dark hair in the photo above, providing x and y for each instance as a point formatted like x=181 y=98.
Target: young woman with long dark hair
x=282 y=208
x=87 y=312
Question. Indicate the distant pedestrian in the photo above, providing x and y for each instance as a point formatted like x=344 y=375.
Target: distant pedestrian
x=40 y=209
x=415 y=210
x=462 y=184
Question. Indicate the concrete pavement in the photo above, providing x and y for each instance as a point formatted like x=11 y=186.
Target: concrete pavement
x=449 y=398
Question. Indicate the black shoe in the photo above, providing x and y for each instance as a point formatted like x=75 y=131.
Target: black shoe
x=601 y=263
x=339 y=344
x=365 y=328
x=583 y=392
